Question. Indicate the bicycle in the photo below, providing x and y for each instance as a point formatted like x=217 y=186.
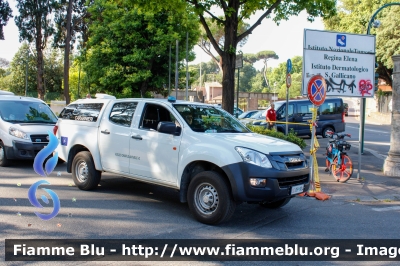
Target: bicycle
x=338 y=163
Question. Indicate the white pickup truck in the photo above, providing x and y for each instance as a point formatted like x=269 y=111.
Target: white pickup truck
x=210 y=157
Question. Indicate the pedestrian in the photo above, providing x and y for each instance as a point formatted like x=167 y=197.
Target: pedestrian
x=88 y=96
x=271 y=117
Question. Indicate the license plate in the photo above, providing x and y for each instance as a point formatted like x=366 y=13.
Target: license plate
x=297 y=189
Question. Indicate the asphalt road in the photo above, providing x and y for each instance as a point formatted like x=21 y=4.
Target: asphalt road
x=124 y=209
x=376 y=137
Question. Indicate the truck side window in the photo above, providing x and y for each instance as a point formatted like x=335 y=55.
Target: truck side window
x=88 y=112
x=154 y=114
x=331 y=108
x=282 y=111
x=122 y=113
x=304 y=109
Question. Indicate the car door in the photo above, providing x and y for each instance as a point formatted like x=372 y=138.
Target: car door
x=281 y=117
x=304 y=114
x=154 y=155
x=115 y=135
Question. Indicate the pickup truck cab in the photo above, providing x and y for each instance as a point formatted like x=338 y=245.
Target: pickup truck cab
x=204 y=152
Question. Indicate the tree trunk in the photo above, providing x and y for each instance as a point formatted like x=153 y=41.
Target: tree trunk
x=392 y=162
x=66 y=53
x=228 y=81
x=228 y=58
x=39 y=62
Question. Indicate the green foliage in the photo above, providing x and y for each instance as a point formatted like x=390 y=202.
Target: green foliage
x=129 y=47
x=291 y=137
x=53 y=70
x=5 y=15
x=278 y=78
x=354 y=15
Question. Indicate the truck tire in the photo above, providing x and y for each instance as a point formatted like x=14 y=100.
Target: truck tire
x=325 y=131
x=275 y=204
x=84 y=174
x=3 y=158
x=210 y=198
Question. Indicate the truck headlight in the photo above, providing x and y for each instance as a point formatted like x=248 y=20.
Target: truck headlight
x=18 y=133
x=254 y=157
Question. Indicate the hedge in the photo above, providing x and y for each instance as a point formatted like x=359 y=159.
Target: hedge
x=291 y=137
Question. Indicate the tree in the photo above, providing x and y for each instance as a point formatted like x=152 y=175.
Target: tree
x=70 y=21
x=18 y=65
x=219 y=36
x=5 y=15
x=235 y=11
x=354 y=18
x=278 y=77
x=264 y=56
x=129 y=47
x=34 y=24
x=52 y=73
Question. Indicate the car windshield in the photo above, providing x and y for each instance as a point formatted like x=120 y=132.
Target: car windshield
x=246 y=114
x=209 y=119
x=256 y=115
x=26 y=112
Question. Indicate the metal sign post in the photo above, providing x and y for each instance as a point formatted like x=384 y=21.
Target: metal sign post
x=238 y=65
x=288 y=84
x=316 y=92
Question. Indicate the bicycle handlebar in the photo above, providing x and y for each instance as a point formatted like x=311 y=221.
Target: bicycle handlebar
x=339 y=136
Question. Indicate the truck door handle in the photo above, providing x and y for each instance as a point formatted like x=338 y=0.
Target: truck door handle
x=105 y=132
x=137 y=137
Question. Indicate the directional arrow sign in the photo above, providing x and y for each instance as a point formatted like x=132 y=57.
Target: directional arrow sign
x=289 y=66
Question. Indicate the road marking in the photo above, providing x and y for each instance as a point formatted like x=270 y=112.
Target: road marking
x=372 y=130
x=394 y=208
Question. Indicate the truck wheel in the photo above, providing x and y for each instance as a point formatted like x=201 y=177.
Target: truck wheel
x=275 y=204
x=3 y=158
x=84 y=174
x=210 y=198
x=324 y=132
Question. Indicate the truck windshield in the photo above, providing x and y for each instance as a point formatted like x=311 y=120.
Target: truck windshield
x=26 y=112
x=209 y=119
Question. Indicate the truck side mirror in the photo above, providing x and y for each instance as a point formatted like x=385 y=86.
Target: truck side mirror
x=169 y=128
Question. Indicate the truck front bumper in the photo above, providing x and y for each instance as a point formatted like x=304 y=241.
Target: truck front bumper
x=278 y=186
x=23 y=150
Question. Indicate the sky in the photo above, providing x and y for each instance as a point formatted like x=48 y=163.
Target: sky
x=286 y=40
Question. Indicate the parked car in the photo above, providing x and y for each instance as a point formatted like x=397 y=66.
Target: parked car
x=236 y=111
x=330 y=116
x=247 y=114
x=198 y=149
x=24 y=126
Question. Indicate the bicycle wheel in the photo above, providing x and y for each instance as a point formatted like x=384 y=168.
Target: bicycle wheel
x=342 y=172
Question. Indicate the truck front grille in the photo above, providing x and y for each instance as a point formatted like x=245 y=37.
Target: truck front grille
x=291 y=181
x=39 y=139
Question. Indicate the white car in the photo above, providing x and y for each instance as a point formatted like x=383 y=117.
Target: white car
x=204 y=152
x=24 y=126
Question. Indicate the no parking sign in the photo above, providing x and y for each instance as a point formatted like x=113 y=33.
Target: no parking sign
x=316 y=90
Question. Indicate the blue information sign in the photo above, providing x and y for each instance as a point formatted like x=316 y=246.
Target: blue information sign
x=289 y=66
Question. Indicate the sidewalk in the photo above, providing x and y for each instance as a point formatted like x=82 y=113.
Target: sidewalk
x=373 y=185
